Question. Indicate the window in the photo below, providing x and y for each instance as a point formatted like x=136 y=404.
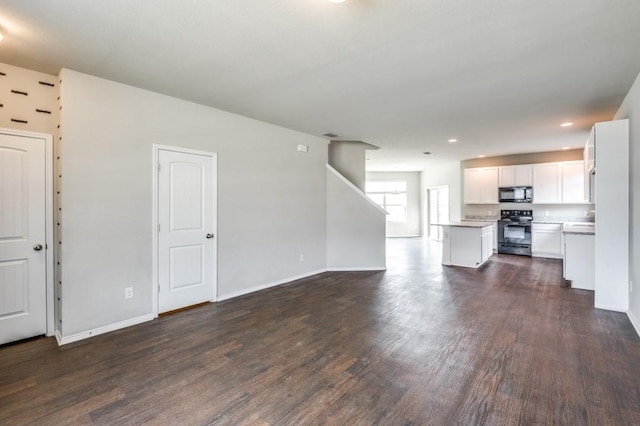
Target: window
x=391 y=196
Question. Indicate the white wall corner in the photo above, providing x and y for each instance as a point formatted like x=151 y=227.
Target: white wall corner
x=634 y=322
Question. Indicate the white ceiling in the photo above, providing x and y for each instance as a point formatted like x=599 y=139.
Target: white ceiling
x=499 y=75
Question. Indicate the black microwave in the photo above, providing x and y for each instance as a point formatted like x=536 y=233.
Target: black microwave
x=515 y=194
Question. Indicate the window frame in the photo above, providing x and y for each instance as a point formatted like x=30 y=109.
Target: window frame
x=385 y=193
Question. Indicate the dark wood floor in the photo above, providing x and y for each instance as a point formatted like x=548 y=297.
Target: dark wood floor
x=417 y=344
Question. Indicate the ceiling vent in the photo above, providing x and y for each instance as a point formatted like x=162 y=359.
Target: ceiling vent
x=330 y=135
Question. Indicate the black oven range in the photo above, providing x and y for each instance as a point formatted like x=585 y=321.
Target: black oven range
x=514 y=232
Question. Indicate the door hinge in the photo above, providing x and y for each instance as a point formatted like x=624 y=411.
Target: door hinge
x=158 y=166
x=158 y=289
x=158 y=227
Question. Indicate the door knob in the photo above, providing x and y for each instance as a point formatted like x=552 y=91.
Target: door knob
x=209 y=235
x=37 y=247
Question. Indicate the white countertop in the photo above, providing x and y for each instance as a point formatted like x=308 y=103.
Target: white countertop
x=579 y=228
x=548 y=221
x=465 y=224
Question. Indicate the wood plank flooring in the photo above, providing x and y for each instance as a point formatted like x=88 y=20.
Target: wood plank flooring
x=418 y=344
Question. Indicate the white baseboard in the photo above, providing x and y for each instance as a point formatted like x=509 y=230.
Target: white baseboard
x=634 y=322
x=403 y=236
x=63 y=340
x=546 y=255
x=269 y=285
x=611 y=308
x=357 y=268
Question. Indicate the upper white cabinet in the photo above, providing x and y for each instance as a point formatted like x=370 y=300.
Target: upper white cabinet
x=553 y=183
x=556 y=183
x=481 y=185
x=521 y=175
x=547 y=183
x=573 y=189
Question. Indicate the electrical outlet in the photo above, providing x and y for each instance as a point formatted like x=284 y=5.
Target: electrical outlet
x=128 y=293
x=302 y=258
x=546 y=212
x=490 y=212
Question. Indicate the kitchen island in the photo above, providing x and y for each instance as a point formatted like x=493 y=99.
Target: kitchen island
x=466 y=243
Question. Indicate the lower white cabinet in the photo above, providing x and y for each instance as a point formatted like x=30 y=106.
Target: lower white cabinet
x=580 y=260
x=495 y=237
x=546 y=240
x=487 y=243
x=467 y=244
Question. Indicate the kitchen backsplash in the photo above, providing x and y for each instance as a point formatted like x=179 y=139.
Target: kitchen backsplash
x=548 y=219
x=541 y=212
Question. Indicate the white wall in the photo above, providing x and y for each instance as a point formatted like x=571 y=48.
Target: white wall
x=355 y=227
x=271 y=198
x=412 y=226
x=630 y=109
x=348 y=158
x=444 y=174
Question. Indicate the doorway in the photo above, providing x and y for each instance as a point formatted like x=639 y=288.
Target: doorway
x=437 y=211
x=26 y=235
x=185 y=217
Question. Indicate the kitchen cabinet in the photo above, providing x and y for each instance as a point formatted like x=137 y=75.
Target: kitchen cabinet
x=468 y=244
x=521 y=175
x=579 y=261
x=486 y=239
x=547 y=183
x=546 y=240
x=495 y=237
x=588 y=195
x=481 y=185
x=579 y=255
x=573 y=189
x=559 y=183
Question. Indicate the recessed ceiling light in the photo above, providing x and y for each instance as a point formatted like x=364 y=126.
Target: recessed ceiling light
x=453 y=140
x=564 y=148
x=567 y=124
x=1 y=36
x=336 y=1
x=481 y=156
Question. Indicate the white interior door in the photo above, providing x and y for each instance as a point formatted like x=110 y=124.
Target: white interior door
x=23 y=291
x=186 y=217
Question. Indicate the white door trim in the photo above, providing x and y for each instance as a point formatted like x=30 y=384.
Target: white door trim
x=155 y=220
x=49 y=243
x=427 y=209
